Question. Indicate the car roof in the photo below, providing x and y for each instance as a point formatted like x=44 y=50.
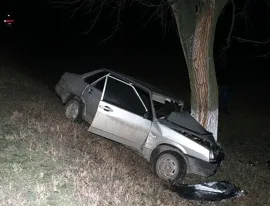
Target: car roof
x=152 y=89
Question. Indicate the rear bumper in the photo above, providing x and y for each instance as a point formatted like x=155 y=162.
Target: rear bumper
x=58 y=89
x=203 y=168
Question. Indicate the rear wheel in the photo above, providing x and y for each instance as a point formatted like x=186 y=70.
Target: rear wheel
x=170 y=166
x=73 y=110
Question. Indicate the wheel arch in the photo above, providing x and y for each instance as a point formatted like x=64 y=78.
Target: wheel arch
x=72 y=96
x=163 y=147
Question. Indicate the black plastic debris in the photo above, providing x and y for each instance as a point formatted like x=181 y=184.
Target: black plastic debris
x=212 y=191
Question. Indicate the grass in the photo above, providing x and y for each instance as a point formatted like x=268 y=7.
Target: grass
x=47 y=160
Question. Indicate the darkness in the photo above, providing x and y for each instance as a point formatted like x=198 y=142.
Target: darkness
x=48 y=41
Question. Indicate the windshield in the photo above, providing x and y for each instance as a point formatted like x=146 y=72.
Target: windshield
x=164 y=106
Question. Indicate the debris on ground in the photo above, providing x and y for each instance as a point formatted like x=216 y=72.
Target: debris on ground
x=212 y=191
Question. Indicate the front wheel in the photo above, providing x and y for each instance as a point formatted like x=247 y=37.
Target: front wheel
x=73 y=110
x=170 y=166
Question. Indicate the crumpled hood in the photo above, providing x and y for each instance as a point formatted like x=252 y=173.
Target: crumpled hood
x=184 y=121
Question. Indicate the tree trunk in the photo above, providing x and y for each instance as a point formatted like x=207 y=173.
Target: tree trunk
x=196 y=25
x=204 y=91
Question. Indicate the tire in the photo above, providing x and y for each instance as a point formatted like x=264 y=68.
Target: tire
x=170 y=166
x=73 y=110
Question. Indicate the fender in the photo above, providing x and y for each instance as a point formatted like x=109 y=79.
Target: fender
x=167 y=145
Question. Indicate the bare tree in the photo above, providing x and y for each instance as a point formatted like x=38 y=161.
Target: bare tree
x=250 y=13
x=196 y=23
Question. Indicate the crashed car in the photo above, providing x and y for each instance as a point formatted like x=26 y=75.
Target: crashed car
x=143 y=118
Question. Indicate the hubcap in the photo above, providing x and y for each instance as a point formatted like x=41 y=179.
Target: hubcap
x=167 y=167
x=72 y=111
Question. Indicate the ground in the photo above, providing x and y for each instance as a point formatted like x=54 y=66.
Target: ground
x=47 y=160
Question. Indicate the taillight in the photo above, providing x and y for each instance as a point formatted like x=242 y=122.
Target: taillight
x=9 y=20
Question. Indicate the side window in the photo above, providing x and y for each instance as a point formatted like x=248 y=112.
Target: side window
x=123 y=96
x=90 y=79
x=100 y=84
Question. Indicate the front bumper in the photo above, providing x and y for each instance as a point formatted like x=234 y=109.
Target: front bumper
x=203 y=168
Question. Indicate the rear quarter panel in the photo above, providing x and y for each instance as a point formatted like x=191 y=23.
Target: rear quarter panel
x=74 y=85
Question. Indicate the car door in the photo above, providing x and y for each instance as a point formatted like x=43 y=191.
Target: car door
x=91 y=96
x=120 y=114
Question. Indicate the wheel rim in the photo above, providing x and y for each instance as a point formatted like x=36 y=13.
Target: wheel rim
x=72 y=111
x=167 y=167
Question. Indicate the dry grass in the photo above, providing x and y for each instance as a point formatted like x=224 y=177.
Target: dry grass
x=46 y=160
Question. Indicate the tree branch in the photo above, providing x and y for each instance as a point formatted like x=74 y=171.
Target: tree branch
x=97 y=5
x=251 y=41
x=75 y=10
x=267 y=55
x=151 y=4
x=95 y=19
x=244 y=14
x=116 y=28
x=228 y=41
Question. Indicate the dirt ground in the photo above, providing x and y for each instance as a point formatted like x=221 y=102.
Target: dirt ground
x=46 y=160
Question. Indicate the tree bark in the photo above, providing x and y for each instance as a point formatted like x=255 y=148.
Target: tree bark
x=196 y=24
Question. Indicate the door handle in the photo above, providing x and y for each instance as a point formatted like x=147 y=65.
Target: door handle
x=106 y=108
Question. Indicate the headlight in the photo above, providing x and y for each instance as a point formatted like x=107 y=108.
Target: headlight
x=198 y=140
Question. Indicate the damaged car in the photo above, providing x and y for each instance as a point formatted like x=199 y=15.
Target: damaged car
x=143 y=118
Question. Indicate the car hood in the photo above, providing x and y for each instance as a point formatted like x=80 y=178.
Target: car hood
x=185 y=122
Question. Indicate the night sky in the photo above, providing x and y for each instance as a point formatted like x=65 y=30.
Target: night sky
x=48 y=37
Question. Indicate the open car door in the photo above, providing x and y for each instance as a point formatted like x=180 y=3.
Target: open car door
x=121 y=114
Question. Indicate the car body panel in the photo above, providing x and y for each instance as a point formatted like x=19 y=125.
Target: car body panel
x=117 y=123
x=161 y=134
x=122 y=124
x=70 y=84
x=91 y=97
